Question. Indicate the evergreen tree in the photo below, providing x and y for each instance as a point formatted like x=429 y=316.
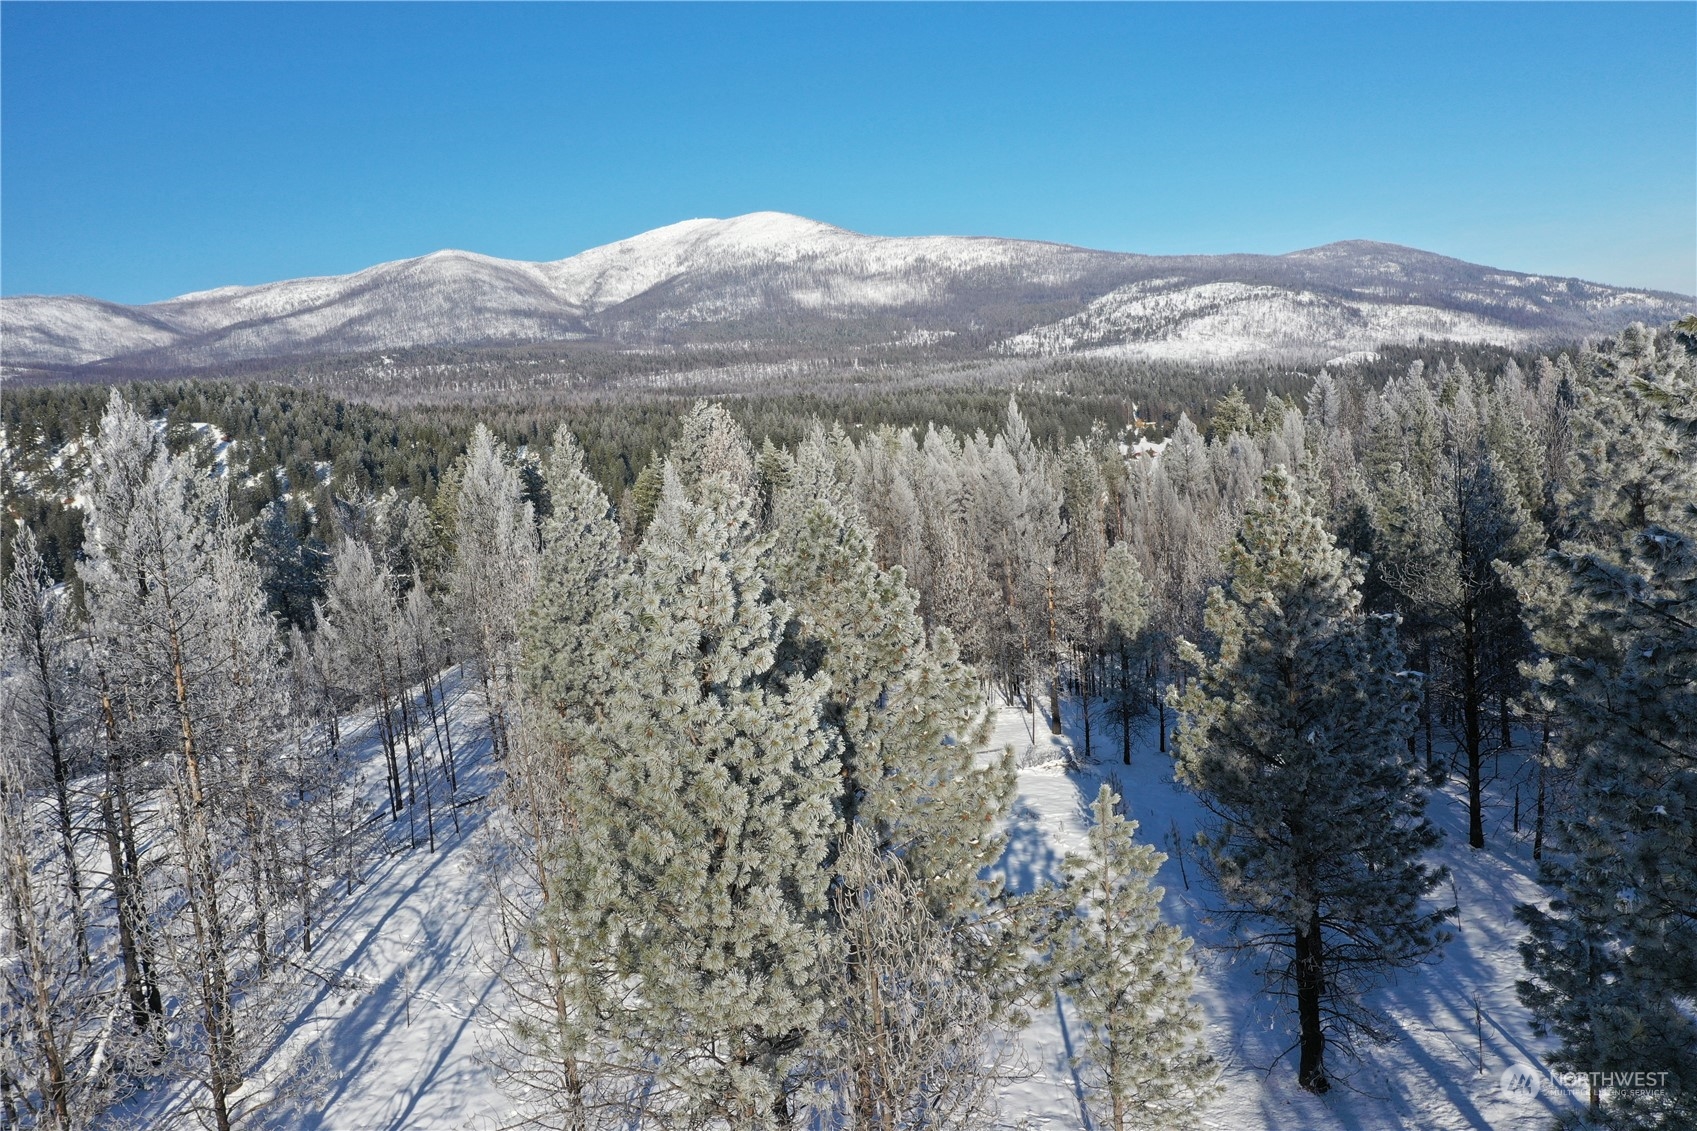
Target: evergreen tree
x=1615 y=611
x=713 y=444
x=703 y=805
x=493 y=575
x=910 y=1036
x=1295 y=737
x=563 y=977
x=1129 y=977
x=906 y=711
x=51 y=1007
x=178 y=616
x=37 y=644
x=1447 y=512
x=1232 y=415
x=1124 y=598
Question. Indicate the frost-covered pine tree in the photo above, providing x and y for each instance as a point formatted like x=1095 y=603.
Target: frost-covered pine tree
x=906 y=710
x=357 y=628
x=1017 y=525
x=1443 y=517
x=52 y=1006
x=1080 y=627
x=713 y=444
x=41 y=722
x=910 y=1039
x=1125 y=599
x=579 y=566
x=1615 y=611
x=493 y=573
x=907 y=717
x=178 y=621
x=702 y=803
x=1129 y=978
x=1295 y=737
x=562 y=978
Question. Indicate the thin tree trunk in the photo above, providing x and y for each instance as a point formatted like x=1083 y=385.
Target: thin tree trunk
x=1472 y=727
x=1538 y=818
x=54 y=1084
x=1310 y=988
x=203 y=903
x=1054 y=661
x=61 y=790
x=146 y=1004
x=1125 y=704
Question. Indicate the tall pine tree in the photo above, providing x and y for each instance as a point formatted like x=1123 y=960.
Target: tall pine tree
x=1615 y=611
x=1129 y=977
x=1295 y=737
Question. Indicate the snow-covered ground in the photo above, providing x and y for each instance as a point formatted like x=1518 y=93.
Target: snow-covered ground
x=400 y=1013
x=1445 y=1069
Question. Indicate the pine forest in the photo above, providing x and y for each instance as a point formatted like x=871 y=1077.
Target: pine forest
x=716 y=745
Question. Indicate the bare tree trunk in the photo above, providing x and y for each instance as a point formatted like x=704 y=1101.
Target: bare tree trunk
x=61 y=786
x=1310 y=987
x=203 y=902
x=54 y=1084
x=1054 y=659
x=1538 y=820
x=146 y=1004
x=1472 y=726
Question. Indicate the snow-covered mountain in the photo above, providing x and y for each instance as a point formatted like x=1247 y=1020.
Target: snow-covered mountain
x=772 y=278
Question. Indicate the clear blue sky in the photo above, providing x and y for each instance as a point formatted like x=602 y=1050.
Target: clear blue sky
x=151 y=150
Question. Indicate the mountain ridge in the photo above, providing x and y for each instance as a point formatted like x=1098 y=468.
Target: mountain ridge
x=775 y=277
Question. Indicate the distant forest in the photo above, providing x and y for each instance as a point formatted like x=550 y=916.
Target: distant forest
x=310 y=434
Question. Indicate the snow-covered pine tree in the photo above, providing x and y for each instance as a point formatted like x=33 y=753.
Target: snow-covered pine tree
x=121 y=451
x=703 y=808
x=1294 y=735
x=907 y=712
x=910 y=1036
x=1017 y=526
x=41 y=722
x=177 y=618
x=493 y=574
x=1615 y=611
x=1078 y=576
x=1443 y=519
x=562 y=976
x=356 y=633
x=713 y=444
x=1129 y=977
x=1125 y=599
x=907 y=716
x=577 y=575
x=52 y=1005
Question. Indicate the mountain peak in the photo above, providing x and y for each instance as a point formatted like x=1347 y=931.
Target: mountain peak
x=1355 y=249
x=778 y=278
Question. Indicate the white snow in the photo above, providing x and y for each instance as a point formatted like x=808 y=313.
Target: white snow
x=1224 y=321
x=403 y=1007
x=718 y=269
x=1431 y=1078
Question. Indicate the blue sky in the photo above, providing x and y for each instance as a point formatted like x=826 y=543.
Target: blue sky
x=152 y=150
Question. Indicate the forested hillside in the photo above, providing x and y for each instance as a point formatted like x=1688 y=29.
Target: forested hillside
x=712 y=681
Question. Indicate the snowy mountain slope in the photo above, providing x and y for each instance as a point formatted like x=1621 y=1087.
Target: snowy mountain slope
x=776 y=278
x=1223 y=321
x=402 y=1013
